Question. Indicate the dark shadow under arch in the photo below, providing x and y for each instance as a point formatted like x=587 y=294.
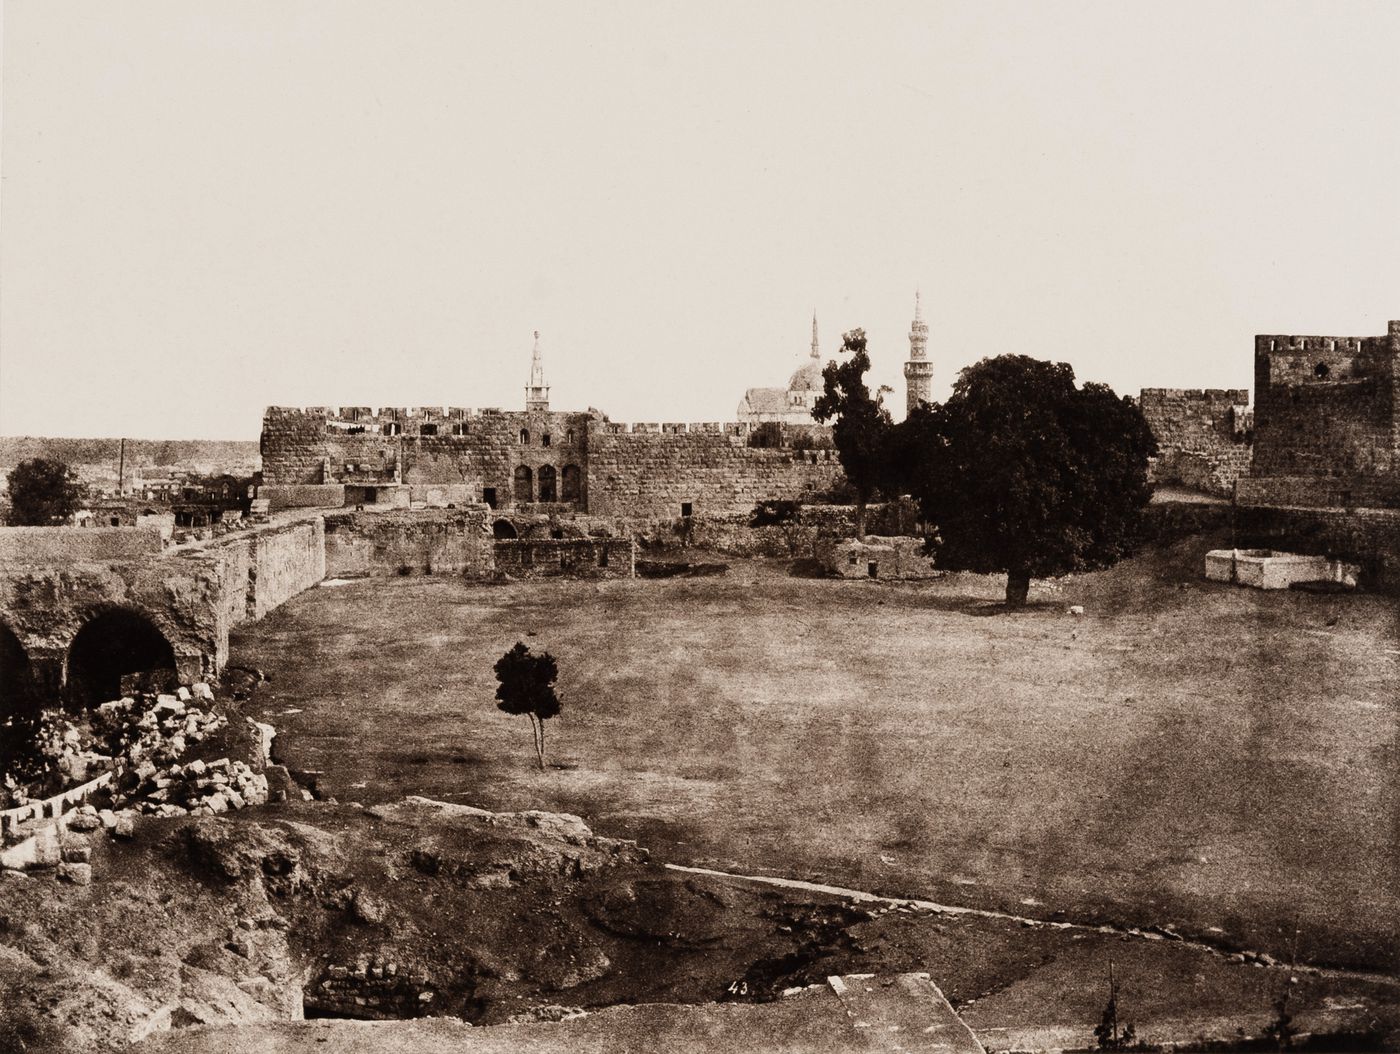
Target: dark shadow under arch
x=19 y=692
x=110 y=646
x=504 y=529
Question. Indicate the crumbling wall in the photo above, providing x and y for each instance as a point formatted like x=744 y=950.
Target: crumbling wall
x=182 y=595
x=33 y=546
x=876 y=557
x=572 y=557
x=267 y=566
x=657 y=474
x=1204 y=436
x=442 y=542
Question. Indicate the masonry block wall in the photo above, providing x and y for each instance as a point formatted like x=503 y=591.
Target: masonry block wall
x=1204 y=436
x=511 y=460
x=439 y=542
x=1325 y=410
x=646 y=475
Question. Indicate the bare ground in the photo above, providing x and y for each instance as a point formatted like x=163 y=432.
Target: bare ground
x=1204 y=756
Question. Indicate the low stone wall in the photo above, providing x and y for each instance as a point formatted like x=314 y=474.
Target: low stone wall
x=800 y=538
x=1369 y=538
x=440 y=542
x=303 y=495
x=369 y=990
x=36 y=546
x=1166 y=521
x=1323 y=492
x=572 y=557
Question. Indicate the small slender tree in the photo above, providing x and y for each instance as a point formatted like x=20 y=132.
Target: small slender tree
x=43 y=493
x=1107 y=1033
x=863 y=425
x=527 y=687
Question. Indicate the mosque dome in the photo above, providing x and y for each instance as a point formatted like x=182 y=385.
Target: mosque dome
x=808 y=378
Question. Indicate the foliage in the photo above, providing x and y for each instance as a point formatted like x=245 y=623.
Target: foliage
x=527 y=687
x=812 y=441
x=863 y=428
x=772 y=513
x=43 y=493
x=1026 y=473
x=1106 y=1032
x=767 y=436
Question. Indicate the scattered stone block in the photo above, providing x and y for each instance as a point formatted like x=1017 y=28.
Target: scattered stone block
x=77 y=853
x=76 y=873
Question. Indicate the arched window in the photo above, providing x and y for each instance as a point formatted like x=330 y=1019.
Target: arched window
x=504 y=529
x=571 y=484
x=109 y=647
x=570 y=439
x=524 y=437
x=547 y=481
x=524 y=484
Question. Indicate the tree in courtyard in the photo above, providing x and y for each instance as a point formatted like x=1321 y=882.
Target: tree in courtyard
x=527 y=687
x=863 y=426
x=1023 y=472
x=43 y=493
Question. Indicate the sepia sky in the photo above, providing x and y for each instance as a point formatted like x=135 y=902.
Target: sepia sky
x=209 y=207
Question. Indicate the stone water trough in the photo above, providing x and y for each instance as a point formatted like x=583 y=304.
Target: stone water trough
x=1270 y=569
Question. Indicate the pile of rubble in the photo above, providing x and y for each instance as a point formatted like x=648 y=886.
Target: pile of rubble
x=200 y=788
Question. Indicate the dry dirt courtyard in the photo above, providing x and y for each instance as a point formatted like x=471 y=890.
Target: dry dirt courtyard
x=1185 y=754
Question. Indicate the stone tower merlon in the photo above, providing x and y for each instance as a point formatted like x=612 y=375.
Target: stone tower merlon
x=918 y=371
x=536 y=392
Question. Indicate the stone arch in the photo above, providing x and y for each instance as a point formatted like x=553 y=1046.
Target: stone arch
x=19 y=690
x=572 y=488
x=504 y=529
x=113 y=643
x=524 y=484
x=549 y=490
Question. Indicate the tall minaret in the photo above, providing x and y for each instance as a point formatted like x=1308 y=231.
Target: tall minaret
x=816 y=352
x=536 y=392
x=918 y=371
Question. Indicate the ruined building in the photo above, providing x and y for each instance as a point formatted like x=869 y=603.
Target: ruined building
x=538 y=460
x=1326 y=422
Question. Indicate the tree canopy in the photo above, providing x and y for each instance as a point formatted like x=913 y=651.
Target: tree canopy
x=1023 y=472
x=863 y=425
x=43 y=493
x=527 y=687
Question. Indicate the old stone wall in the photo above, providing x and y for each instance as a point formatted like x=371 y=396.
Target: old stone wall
x=734 y=535
x=182 y=596
x=571 y=557
x=33 y=546
x=1204 y=436
x=1367 y=537
x=653 y=475
x=517 y=459
x=441 y=542
x=267 y=566
x=1326 y=410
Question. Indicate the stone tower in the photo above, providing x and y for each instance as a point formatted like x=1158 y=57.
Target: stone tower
x=918 y=371
x=816 y=351
x=536 y=392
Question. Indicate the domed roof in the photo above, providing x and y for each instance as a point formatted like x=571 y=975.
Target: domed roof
x=808 y=378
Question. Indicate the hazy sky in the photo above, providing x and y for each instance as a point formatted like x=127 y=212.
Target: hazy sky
x=209 y=207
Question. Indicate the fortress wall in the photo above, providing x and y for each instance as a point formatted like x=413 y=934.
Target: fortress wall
x=1204 y=436
x=1325 y=406
x=267 y=566
x=443 y=542
x=650 y=475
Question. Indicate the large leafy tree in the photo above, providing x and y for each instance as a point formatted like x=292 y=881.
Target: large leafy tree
x=527 y=687
x=43 y=493
x=863 y=426
x=1023 y=472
